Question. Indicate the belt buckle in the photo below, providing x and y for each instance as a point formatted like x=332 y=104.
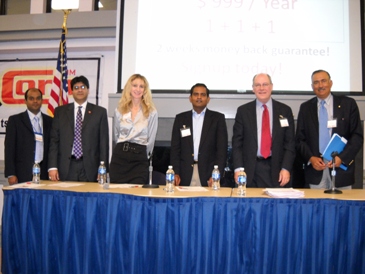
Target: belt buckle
x=125 y=146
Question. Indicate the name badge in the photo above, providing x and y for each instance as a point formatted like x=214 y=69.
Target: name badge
x=38 y=137
x=284 y=122
x=185 y=131
x=332 y=123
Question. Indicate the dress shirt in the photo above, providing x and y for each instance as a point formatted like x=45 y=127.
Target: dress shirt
x=198 y=120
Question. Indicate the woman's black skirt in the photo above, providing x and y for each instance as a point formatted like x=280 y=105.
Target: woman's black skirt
x=129 y=164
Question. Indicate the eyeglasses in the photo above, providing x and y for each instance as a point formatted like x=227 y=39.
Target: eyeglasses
x=265 y=85
x=79 y=87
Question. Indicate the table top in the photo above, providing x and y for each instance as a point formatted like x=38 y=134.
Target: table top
x=183 y=192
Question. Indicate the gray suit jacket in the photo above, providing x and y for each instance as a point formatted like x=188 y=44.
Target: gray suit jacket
x=95 y=140
x=244 y=140
x=346 y=112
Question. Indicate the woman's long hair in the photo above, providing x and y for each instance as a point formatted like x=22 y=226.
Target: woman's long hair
x=125 y=102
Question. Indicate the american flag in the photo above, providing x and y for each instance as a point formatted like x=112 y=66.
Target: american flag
x=59 y=92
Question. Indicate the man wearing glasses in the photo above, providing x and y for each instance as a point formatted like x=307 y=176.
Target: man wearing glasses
x=263 y=138
x=79 y=137
x=340 y=115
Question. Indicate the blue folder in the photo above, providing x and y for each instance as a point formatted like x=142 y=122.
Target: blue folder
x=337 y=143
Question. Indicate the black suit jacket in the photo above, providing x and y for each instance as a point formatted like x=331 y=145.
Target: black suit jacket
x=244 y=141
x=212 y=148
x=95 y=140
x=20 y=147
x=346 y=112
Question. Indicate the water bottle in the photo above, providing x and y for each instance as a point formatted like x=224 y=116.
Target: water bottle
x=102 y=173
x=216 y=176
x=36 y=173
x=241 y=181
x=170 y=180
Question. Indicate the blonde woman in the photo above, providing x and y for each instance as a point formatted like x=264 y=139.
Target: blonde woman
x=135 y=128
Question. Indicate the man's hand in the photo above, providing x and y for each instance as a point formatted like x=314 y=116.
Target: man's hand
x=177 y=180
x=53 y=175
x=338 y=162
x=12 y=180
x=317 y=163
x=284 y=177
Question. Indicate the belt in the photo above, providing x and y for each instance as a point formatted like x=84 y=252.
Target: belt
x=74 y=158
x=136 y=148
x=259 y=158
x=195 y=162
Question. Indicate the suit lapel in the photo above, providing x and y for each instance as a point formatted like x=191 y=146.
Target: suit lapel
x=252 y=120
x=336 y=110
x=71 y=116
x=276 y=116
x=26 y=121
x=189 y=123
x=88 y=114
x=206 y=125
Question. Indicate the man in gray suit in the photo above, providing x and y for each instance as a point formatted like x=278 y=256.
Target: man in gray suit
x=266 y=153
x=79 y=137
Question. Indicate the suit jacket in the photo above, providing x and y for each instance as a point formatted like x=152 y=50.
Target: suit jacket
x=20 y=146
x=95 y=140
x=346 y=112
x=212 y=148
x=244 y=141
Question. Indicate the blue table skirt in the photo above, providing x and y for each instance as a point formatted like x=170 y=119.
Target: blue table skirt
x=71 y=232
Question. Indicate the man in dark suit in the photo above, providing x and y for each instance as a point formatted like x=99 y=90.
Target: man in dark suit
x=262 y=143
x=343 y=119
x=199 y=141
x=79 y=137
x=21 y=139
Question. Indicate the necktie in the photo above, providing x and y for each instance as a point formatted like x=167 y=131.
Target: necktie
x=265 y=134
x=77 y=137
x=38 y=157
x=324 y=136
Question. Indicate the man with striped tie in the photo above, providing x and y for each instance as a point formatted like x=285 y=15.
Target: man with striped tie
x=27 y=140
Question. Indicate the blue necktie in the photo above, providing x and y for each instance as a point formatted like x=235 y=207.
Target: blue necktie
x=77 y=137
x=38 y=157
x=324 y=136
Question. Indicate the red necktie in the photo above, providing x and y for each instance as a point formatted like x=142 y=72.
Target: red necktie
x=265 y=134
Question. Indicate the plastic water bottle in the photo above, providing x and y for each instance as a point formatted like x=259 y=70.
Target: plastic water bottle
x=241 y=181
x=216 y=176
x=102 y=173
x=36 y=173
x=170 y=180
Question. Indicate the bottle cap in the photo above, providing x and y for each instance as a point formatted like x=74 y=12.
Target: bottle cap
x=170 y=167
x=101 y=162
x=215 y=166
x=242 y=169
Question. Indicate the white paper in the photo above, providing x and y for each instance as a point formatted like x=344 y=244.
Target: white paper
x=26 y=185
x=66 y=184
x=124 y=186
x=191 y=188
x=284 y=192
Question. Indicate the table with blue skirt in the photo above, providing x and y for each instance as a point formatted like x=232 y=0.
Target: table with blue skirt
x=88 y=229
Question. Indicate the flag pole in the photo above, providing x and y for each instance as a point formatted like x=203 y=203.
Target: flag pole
x=59 y=91
x=64 y=29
